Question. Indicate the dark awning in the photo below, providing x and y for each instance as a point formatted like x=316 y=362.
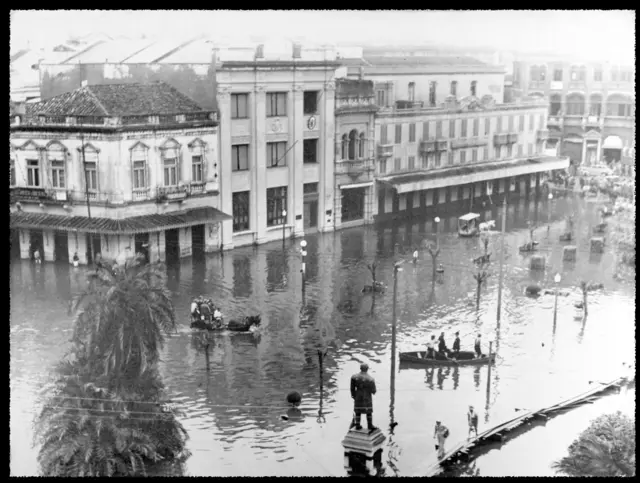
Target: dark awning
x=108 y=226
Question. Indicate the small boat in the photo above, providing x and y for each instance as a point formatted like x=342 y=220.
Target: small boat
x=468 y=225
x=465 y=358
x=528 y=247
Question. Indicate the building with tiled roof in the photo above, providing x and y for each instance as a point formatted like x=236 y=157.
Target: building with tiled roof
x=106 y=167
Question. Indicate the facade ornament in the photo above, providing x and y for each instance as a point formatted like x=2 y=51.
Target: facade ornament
x=312 y=123
x=330 y=86
x=298 y=87
x=224 y=91
x=260 y=88
x=276 y=125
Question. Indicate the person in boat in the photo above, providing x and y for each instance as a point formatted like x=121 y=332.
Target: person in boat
x=456 y=345
x=217 y=318
x=442 y=345
x=195 y=310
x=476 y=346
x=472 y=419
x=431 y=354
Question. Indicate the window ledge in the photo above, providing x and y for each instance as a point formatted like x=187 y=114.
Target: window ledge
x=244 y=232
x=276 y=167
x=278 y=227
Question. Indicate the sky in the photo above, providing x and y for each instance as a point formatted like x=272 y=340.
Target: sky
x=593 y=34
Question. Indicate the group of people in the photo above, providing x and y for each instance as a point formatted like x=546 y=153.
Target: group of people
x=196 y=313
x=439 y=349
x=441 y=432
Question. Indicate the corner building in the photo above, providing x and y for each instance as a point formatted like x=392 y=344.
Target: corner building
x=276 y=104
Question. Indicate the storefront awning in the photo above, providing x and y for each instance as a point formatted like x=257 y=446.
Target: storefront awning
x=612 y=142
x=127 y=226
x=460 y=175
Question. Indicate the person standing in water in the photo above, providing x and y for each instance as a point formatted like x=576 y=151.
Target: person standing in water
x=472 y=419
x=440 y=434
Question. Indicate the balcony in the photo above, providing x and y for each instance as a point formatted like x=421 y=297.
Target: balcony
x=512 y=138
x=592 y=121
x=442 y=145
x=556 y=85
x=620 y=121
x=537 y=85
x=385 y=150
x=500 y=139
x=555 y=121
x=172 y=193
x=409 y=104
x=542 y=135
x=140 y=194
x=196 y=188
x=573 y=120
x=355 y=169
x=468 y=142
x=428 y=146
x=577 y=85
x=37 y=195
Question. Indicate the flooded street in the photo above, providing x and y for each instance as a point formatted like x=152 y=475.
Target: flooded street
x=232 y=411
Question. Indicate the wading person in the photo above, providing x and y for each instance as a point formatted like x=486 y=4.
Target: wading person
x=456 y=345
x=440 y=434
x=477 y=348
x=415 y=256
x=363 y=386
x=472 y=419
x=76 y=259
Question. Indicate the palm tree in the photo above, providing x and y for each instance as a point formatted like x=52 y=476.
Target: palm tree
x=105 y=415
x=606 y=448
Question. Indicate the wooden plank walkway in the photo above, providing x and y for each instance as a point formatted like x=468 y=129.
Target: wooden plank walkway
x=497 y=433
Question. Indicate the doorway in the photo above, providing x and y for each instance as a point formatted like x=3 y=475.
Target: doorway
x=310 y=215
x=172 y=246
x=61 y=246
x=15 y=244
x=97 y=246
x=353 y=204
x=197 y=240
x=36 y=242
x=141 y=245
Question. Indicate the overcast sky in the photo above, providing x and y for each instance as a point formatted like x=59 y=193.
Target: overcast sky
x=593 y=34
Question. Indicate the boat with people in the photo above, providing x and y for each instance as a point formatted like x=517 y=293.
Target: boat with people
x=205 y=315
x=463 y=358
x=468 y=225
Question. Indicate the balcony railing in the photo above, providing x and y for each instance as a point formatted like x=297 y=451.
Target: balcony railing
x=500 y=139
x=197 y=187
x=385 y=150
x=409 y=104
x=555 y=121
x=140 y=194
x=512 y=138
x=468 y=142
x=172 y=193
x=355 y=168
x=592 y=121
x=556 y=85
x=428 y=146
x=542 y=135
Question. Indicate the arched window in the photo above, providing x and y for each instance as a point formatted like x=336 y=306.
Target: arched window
x=555 y=104
x=595 y=105
x=345 y=146
x=454 y=88
x=353 y=139
x=412 y=91
x=582 y=73
x=575 y=104
x=361 y=150
x=170 y=154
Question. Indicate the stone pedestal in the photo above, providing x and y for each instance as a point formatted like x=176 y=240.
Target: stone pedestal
x=537 y=262
x=362 y=448
x=569 y=253
x=597 y=244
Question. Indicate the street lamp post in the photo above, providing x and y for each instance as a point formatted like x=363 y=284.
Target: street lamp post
x=556 y=279
x=437 y=220
x=549 y=213
x=303 y=268
x=284 y=224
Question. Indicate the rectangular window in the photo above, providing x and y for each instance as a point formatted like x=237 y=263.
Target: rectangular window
x=310 y=151
x=412 y=133
x=530 y=149
x=425 y=130
x=432 y=93
x=511 y=123
x=425 y=160
x=509 y=150
x=275 y=154
x=532 y=122
x=474 y=155
x=521 y=123
x=196 y=169
x=476 y=127
x=411 y=94
x=276 y=104
x=91 y=171
x=541 y=124
x=310 y=102
x=382 y=101
x=276 y=204
x=463 y=128
x=474 y=88
x=239 y=157
x=452 y=128
x=597 y=75
x=139 y=174
x=383 y=134
x=33 y=173
x=463 y=157
x=397 y=164
x=519 y=150
x=499 y=125
x=398 y=133
x=239 y=106
x=487 y=125
x=240 y=211
x=310 y=188
x=438 y=129
x=57 y=174
x=12 y=173
x=450 y=158
x=454 y=88
x=485 y=154
x=557 y=75
x=438 y=159
x=412 y=163
x=383 y=166
x=170 y=171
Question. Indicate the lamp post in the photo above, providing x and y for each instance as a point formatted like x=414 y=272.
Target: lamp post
x=556 y=279
x=284 y=224
x=303 y=268
x=437 y=220
x=550 y=197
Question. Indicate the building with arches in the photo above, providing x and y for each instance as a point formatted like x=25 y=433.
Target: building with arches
x=591 y=105
x=108 y=167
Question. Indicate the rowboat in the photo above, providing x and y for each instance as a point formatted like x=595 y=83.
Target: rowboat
x=465 y=358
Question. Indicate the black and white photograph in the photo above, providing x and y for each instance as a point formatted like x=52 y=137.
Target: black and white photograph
x=322 y=243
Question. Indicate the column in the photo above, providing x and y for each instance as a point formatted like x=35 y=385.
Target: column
x=258 y=148
x=211 y=237
x=24 y=244
x=296 y=169
x=156 y=247
x=48 y=248
x=584 y=151
x=327 y=157
x=599 y=151
x=224 y=166
x=184 y=237
x=372 y=191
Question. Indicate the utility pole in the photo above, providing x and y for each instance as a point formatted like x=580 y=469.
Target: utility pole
x=396 y=269
x=500 y=279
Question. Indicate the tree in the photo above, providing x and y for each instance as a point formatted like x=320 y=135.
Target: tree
x=372 y=268
x=105 y=414
x=606 y=448
x=434 y=258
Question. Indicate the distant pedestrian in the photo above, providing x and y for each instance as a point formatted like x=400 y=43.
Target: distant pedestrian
x=476 y=346
x=472 y=419
x=36 y=256
x=415 y=256
x=76 y=259
x=440 y=434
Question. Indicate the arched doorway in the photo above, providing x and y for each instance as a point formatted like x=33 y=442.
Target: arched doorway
x=595 y=105
x=575 y=104
x=612 y=149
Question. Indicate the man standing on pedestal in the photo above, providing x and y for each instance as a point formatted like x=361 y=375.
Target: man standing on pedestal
x=363 y=386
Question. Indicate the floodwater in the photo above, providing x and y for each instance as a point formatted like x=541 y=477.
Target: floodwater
x=232 y=410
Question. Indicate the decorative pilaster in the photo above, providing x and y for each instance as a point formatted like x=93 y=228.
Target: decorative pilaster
x=257 y=163
x=327 y=156
x=584 y=151
x=224 y=163
x=296 y=168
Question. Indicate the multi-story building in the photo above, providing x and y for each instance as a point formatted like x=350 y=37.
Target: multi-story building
x=105 y=168
x=276 y=105
x=591 y=105
x=355 y=153
x=441 y=137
